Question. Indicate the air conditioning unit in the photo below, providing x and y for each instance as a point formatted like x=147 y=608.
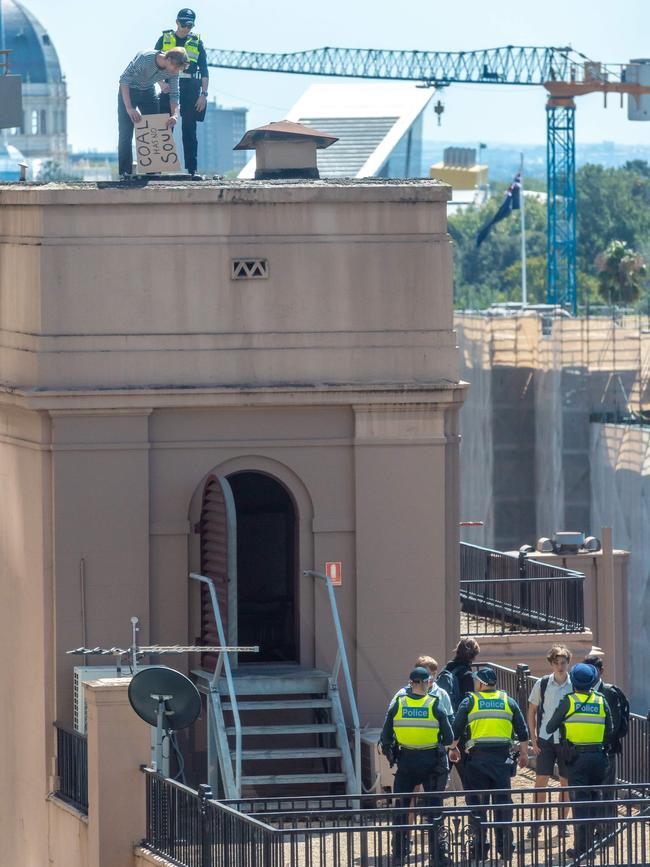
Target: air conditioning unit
x=376 y=775
x=82 y=674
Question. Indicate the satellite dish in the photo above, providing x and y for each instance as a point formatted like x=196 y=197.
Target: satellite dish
x=164 y=697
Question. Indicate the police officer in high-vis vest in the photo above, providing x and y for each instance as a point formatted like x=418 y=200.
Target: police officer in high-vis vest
x=415 y=734
x=489 y=720
x=193 y=82
x=585 y=722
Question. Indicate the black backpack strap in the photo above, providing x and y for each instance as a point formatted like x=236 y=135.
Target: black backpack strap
x=543 y=686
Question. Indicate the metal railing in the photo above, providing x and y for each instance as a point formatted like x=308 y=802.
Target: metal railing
x=341 y=662
x=502 y=594
x=218 y=747
x=192 y=830
x=72 y=767
x=633 y=762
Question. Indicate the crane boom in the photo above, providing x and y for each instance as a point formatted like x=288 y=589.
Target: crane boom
x=510 y=64
x=564 y=72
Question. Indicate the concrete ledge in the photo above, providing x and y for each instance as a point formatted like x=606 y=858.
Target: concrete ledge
x=68 y=808
x=229 y=192
x=142 y=855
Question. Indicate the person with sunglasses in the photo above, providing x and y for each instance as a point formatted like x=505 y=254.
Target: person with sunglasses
x=193 y=82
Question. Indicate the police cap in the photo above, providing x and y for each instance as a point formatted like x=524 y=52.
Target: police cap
x=485 y=675
x=584 y=676
x=186 y=16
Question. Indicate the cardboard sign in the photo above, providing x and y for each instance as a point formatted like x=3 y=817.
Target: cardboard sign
x=334 y=573
x=155 y=146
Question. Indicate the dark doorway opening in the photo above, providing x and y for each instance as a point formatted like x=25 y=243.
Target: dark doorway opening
x=266 y=567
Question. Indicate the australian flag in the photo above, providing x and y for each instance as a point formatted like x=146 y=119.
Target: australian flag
x=511 y=202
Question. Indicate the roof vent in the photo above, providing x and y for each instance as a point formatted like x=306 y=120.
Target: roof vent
x=285 y=150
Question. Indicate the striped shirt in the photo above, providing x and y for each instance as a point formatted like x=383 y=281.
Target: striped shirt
x=143 y=72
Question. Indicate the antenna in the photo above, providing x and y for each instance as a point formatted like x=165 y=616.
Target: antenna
x=166 y=699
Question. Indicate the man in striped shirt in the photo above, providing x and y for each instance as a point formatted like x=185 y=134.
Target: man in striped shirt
x=138 y=94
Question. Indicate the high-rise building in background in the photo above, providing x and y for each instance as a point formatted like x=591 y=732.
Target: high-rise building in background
x=43 y=134
x=217 y=136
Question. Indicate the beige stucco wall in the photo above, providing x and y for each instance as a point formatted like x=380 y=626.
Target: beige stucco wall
x=133 y=366
x=67 y=836
x=26 y=634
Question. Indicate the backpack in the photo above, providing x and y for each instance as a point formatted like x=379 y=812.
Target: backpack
x=448 y=680
x=620 y=708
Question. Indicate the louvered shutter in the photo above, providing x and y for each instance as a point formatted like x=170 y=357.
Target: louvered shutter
x=218 y=529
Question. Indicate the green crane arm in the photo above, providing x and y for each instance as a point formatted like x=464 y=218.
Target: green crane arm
x=511 y=64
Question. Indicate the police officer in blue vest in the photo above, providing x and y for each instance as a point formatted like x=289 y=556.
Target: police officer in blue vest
x=193 y=81
x=585 y=722
x=489 y=718
x=415 y=733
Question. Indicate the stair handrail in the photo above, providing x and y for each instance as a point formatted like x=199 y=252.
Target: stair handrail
x=341 y=661
x=214 y=683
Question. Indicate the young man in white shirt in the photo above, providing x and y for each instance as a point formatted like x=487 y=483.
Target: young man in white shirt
x=544 y=698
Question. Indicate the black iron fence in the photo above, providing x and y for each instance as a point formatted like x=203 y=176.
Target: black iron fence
x=501 y=594
x=190 y=829
x=72 y=767
x=633 y=763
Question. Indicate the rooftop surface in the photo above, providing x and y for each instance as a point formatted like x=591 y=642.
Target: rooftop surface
x=228 y=191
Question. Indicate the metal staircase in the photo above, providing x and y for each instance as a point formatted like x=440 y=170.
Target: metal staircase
x=293 y=733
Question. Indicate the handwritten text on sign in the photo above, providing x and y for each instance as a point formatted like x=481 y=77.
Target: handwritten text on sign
x=154 y=145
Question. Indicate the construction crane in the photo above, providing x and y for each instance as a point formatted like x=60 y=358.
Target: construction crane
x=564 y=72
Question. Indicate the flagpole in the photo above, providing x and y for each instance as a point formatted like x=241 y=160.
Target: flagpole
x=522 y=216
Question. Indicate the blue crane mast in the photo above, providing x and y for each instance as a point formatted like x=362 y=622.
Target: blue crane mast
x=564 y=72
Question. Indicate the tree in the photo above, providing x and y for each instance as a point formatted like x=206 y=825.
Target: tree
x=51 y=170
x=612 y=204
x=621 y=274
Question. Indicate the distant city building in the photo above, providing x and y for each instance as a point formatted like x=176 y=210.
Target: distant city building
x=379 y=127
x=219 y=133
x=217 y=136
x=467 y=178
x=43 y=133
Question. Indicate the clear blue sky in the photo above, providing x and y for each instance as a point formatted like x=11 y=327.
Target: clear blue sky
x=95 y=41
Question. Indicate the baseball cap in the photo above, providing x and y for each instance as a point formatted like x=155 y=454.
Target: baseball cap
x=420 y=673
x=186 y=16
x=485 y=675
x=584 y=676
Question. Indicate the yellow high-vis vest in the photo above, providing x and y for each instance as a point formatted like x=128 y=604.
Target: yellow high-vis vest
x=191 y=44
x=587 y=725
x=490 y=719
x=414 y=724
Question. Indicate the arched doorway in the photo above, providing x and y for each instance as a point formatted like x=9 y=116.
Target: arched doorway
x=267 y=602
x=249 y=545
